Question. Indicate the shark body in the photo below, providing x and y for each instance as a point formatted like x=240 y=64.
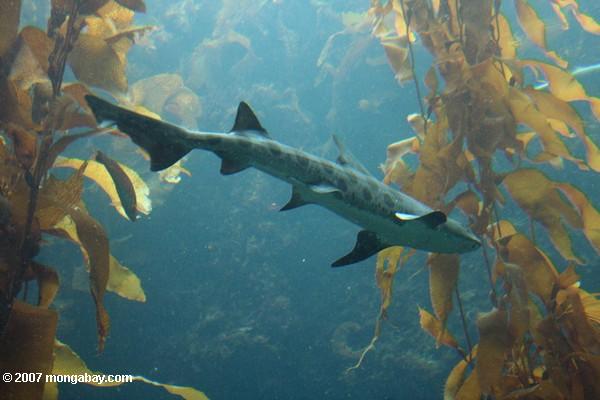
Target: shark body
x=388 y=217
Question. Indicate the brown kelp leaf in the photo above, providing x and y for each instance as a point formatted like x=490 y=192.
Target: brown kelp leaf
x=135 y=5
x=568 y=277
x=507 y=42
x=591 y=305
x=123 y=184
x=31 y=61
x=26 y=346
x=57 y=196
x=519 y=300
x=93 y=239
x=589 y=214
x=96 y=63
x=443 y=276
x=48 y=283
x=433 y=326
x=67 y=362
x=24 y=144
x=494 y=343
x=468 y=202
x=539 y=197
x=587 y=335
x=17 y=105
x=538 y=271
x=121 y=280
x=124 y=282
x=96 y=172
x=10 y=12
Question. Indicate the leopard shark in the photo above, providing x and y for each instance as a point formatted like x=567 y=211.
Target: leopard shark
x=387 y=216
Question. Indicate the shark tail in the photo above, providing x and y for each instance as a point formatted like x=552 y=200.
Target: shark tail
x=164 y=142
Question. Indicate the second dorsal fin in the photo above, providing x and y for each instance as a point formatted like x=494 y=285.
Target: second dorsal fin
x=246 y=120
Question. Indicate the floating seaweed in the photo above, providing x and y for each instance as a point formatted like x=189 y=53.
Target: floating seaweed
x=540 y=339
x=40 y=118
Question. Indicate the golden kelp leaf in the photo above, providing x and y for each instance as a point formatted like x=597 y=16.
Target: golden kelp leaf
x=385 y=269
x=539 y=197
x=531 y=23
x=26 y=346
x=455 y=380
x=10 y=13
x=96 y=63
x=433 y=326
x=120 y=16
x=587 y=23
x=556 y=108
x=443 y=276
x=501 y=229
x=562 y=83
x=589 y=214
x=494 y=343
x=154 y=91
x=525 y=112
x=538 y=271
x=96 y=172
x=561 y=16
x=48 y=283
x=398 y=58
x=93 y=239
x=591 y=305
x=394 y=166
x=67 y=362
x=173 y=173
x=122 y=183
x=124 y=282
x=507 y=42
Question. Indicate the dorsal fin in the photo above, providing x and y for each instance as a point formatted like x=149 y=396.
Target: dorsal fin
x=346 y=158
x=245 y=120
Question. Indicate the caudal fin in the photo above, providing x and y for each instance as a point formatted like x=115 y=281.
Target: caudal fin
x=165 y=143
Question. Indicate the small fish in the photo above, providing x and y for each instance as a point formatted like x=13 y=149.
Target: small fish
x=388 y=217
x=125 y=188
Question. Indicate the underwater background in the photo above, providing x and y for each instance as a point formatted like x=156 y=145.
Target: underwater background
x=240 y=299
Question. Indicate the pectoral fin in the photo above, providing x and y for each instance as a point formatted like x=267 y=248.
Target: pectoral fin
x=230 y=167
x=432 y=219
x=367 y=244
x=295 y=201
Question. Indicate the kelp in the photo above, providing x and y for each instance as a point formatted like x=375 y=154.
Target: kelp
x=40 y=117
x=484 y=140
